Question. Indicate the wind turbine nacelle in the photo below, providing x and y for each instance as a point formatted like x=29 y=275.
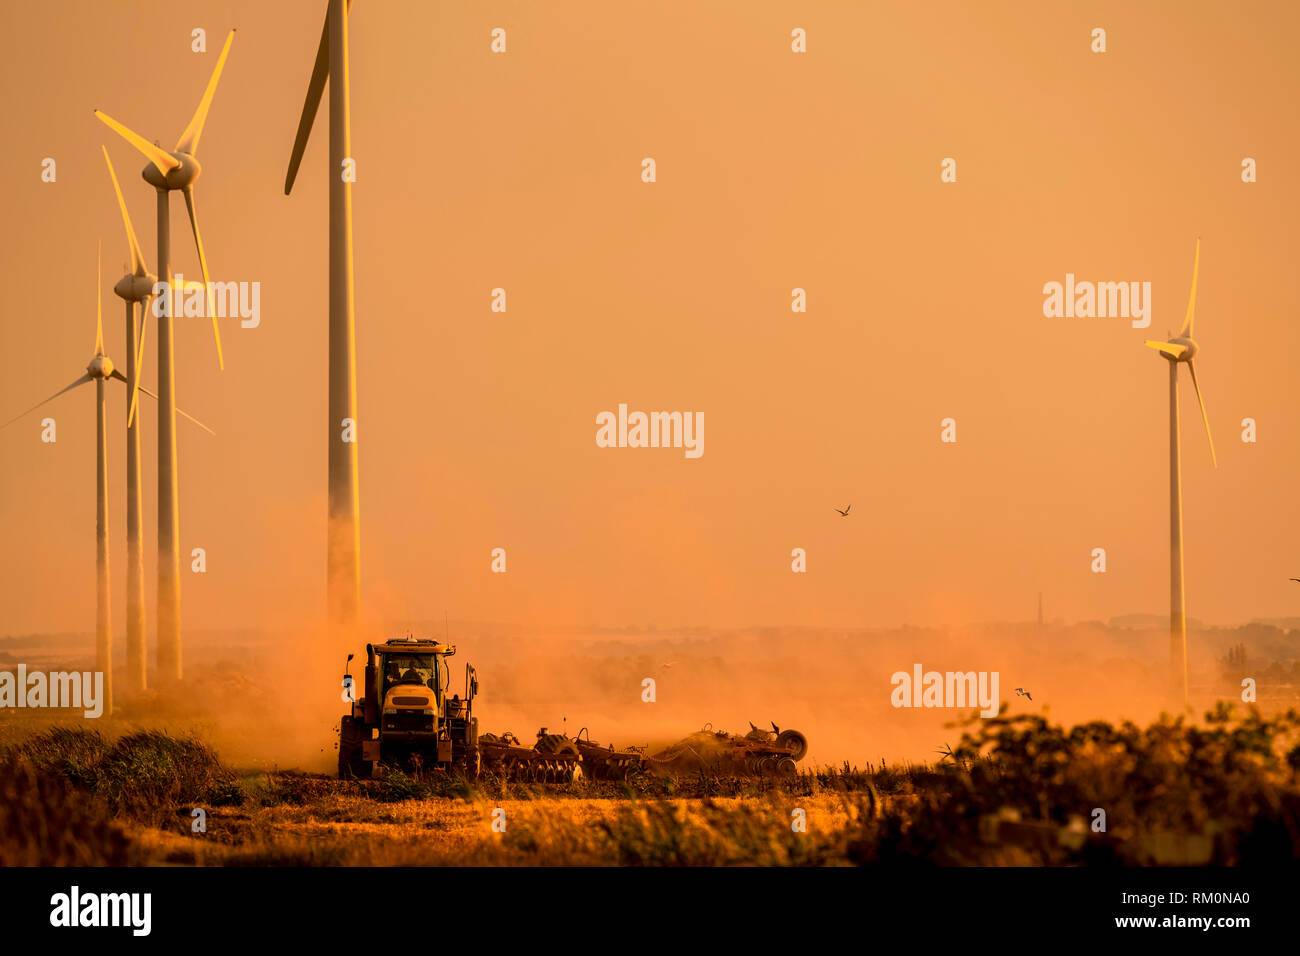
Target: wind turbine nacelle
x=178 y=178
x=101 y=366
x=135 y=288
x=1188 y=344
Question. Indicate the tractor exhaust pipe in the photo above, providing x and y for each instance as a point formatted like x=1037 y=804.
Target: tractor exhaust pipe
x=372 y=688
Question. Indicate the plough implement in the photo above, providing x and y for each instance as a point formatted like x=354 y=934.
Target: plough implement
x=405 y=717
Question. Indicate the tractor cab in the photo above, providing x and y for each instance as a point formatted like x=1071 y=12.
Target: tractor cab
x=408 y=708
x=415 y=664
x=411 y=677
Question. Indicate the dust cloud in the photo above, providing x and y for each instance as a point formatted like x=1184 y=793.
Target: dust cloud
x=273 y=700
x=276 y=702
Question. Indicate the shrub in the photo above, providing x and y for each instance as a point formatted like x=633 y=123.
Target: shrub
x=146 y=775
x=1231 y=780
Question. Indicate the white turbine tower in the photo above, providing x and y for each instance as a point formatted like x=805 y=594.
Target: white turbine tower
x=135 y=286
x=1180 y=349
x=100 y=370
x=167 y=172
x=343 y=548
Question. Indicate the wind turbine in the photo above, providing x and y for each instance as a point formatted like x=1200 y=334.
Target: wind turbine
x=133 y=287
x=167 y=172
x=343 y=555
x=1180 y=349
x=100 y=370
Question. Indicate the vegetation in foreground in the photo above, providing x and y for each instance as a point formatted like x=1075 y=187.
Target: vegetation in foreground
x=1016 y=790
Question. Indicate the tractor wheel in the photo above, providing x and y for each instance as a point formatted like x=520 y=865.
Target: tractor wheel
x=794 y=742
x=785 y=767
x=351 y=734
x=470 y=764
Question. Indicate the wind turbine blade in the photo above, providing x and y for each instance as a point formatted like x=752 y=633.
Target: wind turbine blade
x=139 y=359
x=1191 y=367
x=1168 y=348
x=320 y=72
x=137 y=257
x=99 y=300
x=85 y=377
x=203 y=264
x=180 y=411
x=164 y=160
x=189 y=141
x=1191 y=300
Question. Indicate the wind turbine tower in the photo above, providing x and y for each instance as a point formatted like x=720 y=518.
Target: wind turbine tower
x=99 y=370
x=133 y=287
x=343 y=552
x=1180 y=350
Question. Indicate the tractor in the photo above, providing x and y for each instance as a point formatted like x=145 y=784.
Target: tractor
x=405 y=714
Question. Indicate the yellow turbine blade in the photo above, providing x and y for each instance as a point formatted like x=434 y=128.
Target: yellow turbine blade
x=320 y=72
x=1168 y=348
x=315 y=87
x=137 y=257
x=164 y=160
x=1191 y=367
x=180 y=411
x=1191 y=299
x=203 y=264
x=85 y=377
x=189 y=141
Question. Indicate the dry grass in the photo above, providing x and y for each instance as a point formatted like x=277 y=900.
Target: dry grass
x=354 y=830
x=47 y=821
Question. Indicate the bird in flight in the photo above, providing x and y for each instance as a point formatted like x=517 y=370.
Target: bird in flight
x=1296 y=580
x=1021 y=692
x=669 y=664
x=845 y=512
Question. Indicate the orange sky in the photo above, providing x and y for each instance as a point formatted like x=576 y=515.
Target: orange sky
x=775 y=170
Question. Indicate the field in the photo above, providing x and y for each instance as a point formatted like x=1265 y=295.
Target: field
x=1015 y=790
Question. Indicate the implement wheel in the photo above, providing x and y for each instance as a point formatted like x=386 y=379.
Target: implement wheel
x=794 y=742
